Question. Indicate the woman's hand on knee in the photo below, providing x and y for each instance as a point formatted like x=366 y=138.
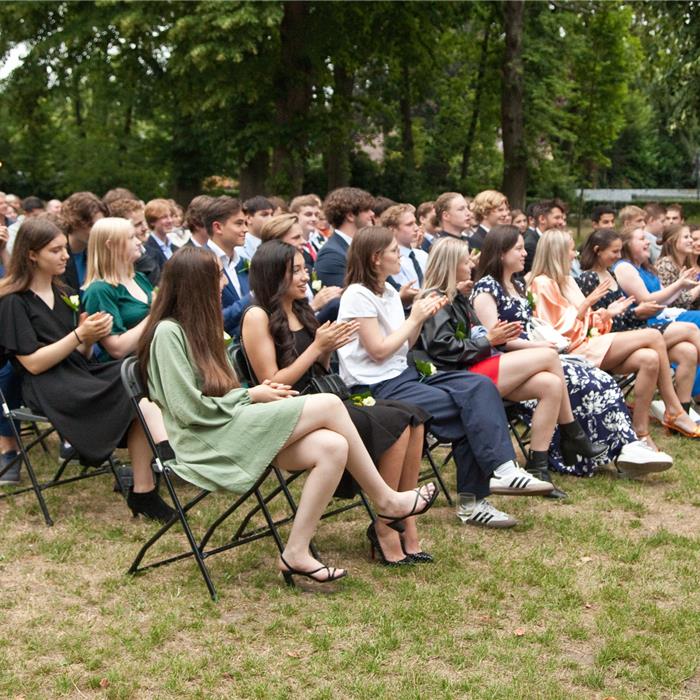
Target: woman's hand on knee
x=270 y=391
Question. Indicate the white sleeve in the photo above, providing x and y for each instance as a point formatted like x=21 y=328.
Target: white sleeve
x=357 y=302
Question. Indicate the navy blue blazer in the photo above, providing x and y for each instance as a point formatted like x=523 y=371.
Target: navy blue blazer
x=233 y=305
x=156 y=253
x=332 y=261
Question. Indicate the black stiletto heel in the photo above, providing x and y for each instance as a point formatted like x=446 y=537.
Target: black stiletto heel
x=376 y=547
x=395 y=522
x=417 y=557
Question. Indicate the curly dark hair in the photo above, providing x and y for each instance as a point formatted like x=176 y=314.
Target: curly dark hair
x=343 y=201
x=270 y=275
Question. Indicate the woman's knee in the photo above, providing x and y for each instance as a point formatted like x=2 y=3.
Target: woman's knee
x=549 y=385
x=647 y=359
x=329 y=445
x=685 y=354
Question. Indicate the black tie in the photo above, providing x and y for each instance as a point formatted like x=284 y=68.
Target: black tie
x=416 y=266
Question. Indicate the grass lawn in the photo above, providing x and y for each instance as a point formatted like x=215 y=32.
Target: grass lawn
x=595 y=597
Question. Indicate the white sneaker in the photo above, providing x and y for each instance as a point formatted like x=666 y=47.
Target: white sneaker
x=510 y=480
x=486 y=515
x=639 y=458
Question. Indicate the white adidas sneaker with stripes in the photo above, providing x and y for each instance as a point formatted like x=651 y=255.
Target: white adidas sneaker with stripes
x=510 y=480
x=485 y=515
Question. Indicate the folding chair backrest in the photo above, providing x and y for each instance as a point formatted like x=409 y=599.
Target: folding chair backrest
x=131 y=379
x=242 y=366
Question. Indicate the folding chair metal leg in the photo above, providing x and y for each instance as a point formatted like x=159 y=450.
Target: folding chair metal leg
x=427 y=451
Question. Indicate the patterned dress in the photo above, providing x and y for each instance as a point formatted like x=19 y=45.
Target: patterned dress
x=596 y=400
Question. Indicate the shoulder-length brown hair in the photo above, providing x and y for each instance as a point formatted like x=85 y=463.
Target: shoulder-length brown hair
x=500 y=240
x=33 y=235
x=668 y=245
x=189 y=294
x=367 y=244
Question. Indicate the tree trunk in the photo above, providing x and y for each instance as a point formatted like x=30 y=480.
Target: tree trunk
x=293 y=94
x=339 y=145
x=406 y=119
x=471 y=132
x=253 y=176
x=512 y=106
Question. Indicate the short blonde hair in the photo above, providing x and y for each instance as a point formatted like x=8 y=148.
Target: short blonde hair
x=277 y=227
x=630 y=212
x=485 y=202
x=441 y=274
x=552 y=256
x=155 y=209
x=391 y=217
x=109 y=262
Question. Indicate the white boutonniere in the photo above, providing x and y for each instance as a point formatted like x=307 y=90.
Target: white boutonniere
x=72 y=301
x=227 y=339
x=316 y=283
x=426 y=369
x=363 y=399
x=593 y=332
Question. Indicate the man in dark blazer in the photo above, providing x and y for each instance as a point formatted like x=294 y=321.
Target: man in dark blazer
x=348 y=209
x=549 y=214
x=159 y=218
x=226 y=225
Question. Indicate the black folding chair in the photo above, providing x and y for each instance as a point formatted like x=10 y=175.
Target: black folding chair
x=34 y=429
x=200 y=550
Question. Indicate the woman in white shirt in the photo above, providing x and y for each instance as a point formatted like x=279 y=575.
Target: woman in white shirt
x=376 y=361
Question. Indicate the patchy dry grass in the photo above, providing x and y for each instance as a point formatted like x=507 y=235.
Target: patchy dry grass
x=590 y=598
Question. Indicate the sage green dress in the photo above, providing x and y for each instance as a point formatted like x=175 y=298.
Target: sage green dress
x=221 y=442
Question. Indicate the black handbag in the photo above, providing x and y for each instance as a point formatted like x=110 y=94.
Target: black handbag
x=327 y=384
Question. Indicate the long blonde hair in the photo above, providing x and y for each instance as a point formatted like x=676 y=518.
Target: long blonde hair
x=441 y=273
x=109 y=263
x=552 y=257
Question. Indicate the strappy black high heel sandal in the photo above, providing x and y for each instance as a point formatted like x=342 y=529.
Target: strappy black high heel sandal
x=375 y=547
x=395 y=522
x=333 y=574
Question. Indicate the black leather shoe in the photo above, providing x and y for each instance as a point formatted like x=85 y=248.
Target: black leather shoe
x=150 y=505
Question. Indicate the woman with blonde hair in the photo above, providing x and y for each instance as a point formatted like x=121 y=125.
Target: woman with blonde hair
x=561 y=303
x=112 y=286
x=454 y=339
x=491 y=209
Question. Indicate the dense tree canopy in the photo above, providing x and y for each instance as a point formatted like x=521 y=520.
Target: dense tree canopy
x=402 y=98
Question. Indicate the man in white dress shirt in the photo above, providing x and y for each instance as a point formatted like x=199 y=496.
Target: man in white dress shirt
x=257 y=210
x=401 y=220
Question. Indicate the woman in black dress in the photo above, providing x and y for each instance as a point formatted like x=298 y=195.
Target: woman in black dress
x=285 y=343
x=51 y=345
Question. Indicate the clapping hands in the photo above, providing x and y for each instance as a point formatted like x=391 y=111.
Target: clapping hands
x=331 y=335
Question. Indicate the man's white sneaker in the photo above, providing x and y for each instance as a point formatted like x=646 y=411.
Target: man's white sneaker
x=485 y=515
x=510 y=480
x=639 y=458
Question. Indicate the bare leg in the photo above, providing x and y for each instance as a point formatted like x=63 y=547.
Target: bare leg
x=390 y=466
x=327 y=411
x=323 y=453
x=686 y=357
x=547 y=389
x=409 y=479
x=8 y=444
x=141 y=456
x=154 y=420
x=517 y=367
x=618 y=358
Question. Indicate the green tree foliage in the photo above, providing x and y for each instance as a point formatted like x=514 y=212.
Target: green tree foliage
x=402 y=98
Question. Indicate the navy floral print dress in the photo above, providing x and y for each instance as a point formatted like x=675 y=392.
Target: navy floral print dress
x=596 y=400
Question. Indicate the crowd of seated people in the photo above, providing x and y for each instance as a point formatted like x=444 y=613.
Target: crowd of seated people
x=415 y=319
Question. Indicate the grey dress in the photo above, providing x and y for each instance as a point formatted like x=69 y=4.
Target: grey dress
x=220 y=442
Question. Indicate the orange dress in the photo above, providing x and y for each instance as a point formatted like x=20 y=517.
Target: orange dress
x=590 y=336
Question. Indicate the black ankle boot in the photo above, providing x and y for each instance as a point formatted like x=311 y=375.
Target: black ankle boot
x=537 y=466
x=573 y=441
x=150 y=505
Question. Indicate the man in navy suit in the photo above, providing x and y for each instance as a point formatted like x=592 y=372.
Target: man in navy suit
x=348 y=209
x=159 y=217
x=226 y=225
x=548 y=214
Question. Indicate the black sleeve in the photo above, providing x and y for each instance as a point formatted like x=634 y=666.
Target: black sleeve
x=439 y=341
x=18 y=336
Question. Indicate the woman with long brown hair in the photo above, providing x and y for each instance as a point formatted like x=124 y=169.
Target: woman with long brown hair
x=225 y=436
x=291 y=346
x=51 y=345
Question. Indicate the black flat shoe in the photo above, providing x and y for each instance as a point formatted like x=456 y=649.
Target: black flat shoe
x=375 y=548
x=150 y=505
x=395 y=522
x=331 y=573
x=537 y=466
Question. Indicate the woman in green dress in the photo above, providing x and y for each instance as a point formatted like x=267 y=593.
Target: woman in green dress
x=224 y=436
x=112 y=286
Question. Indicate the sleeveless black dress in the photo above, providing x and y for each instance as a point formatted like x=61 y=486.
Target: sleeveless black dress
x=379 y=426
